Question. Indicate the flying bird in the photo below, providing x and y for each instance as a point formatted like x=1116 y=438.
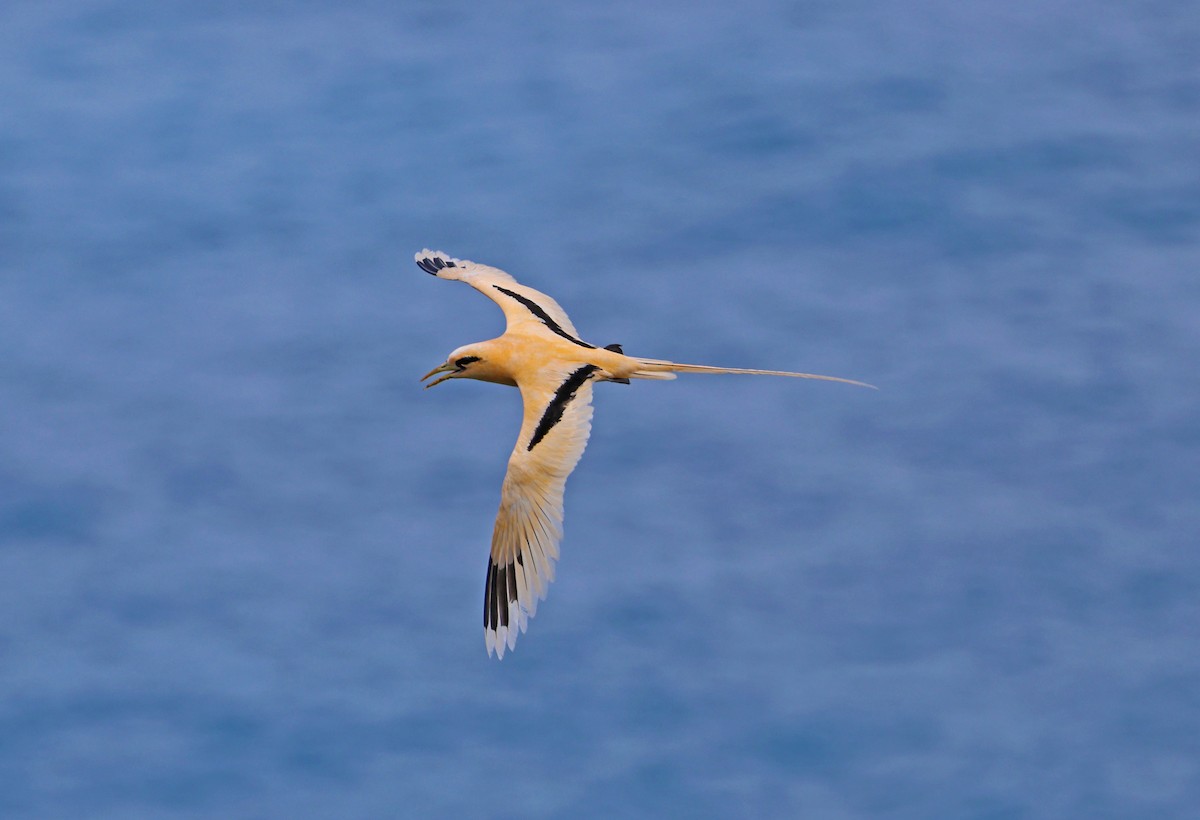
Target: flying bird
x=542 y=354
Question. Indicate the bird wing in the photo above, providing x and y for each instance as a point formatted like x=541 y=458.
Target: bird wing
x=521 y=305
x=557 y=422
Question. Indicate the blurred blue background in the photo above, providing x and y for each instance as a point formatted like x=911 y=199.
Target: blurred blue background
x=242 y=553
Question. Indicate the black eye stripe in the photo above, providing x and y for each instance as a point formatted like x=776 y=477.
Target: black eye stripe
x=465 y=360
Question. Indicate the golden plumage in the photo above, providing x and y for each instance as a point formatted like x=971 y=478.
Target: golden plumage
x=541 y=353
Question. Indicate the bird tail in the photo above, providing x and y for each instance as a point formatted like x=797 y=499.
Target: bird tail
x=662 y=369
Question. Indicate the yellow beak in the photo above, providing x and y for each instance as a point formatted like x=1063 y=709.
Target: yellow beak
x=446 y=368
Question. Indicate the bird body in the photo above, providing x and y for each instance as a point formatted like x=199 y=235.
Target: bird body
x=541 y=353
x=522 y=351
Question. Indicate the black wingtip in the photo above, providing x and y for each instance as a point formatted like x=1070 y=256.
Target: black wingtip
x=499 y=594
x=490 y=610
x=615 y=348
x=433 y=264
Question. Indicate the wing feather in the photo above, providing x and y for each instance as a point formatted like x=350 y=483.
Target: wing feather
x=522 y=305
x=529 y=523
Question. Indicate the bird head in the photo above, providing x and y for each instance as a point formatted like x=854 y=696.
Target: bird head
x=457 y=366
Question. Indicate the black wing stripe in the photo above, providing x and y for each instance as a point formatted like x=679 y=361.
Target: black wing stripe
x=537 y=311
x=562 y=397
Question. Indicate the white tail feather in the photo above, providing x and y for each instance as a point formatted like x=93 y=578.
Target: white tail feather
x=662 y=369
x=661 y=375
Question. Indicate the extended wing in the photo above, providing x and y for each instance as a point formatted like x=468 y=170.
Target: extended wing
x=554 y=433
x=521 y=305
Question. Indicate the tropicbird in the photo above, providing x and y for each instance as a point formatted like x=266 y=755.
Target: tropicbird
x=541 y=353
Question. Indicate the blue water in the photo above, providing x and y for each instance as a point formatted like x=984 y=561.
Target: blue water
x=242 y=553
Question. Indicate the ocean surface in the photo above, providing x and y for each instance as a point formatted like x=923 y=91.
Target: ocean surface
x=242 y=552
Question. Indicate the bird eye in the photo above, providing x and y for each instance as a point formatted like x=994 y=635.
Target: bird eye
x=464 y=361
